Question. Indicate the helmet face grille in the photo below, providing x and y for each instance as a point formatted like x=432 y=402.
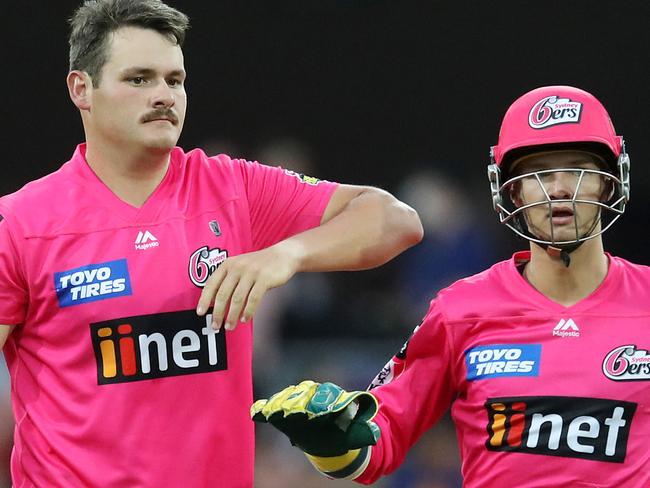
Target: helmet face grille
x=582 y=213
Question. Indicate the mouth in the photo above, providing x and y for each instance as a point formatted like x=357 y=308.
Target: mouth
x=562 y=216
x=162 y=119
x=162 y=116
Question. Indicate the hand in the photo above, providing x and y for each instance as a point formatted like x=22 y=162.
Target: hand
x=321 y=419
x=240 y=282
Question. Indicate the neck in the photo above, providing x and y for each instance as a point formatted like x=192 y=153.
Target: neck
x=132 y=175
x=568 y=285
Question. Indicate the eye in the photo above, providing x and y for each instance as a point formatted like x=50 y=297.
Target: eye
x=173 y=82
x=137 y=80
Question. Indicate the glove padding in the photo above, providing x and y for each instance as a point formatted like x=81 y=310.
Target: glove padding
x=321 y=419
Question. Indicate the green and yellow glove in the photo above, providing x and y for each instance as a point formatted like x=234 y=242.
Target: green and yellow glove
x=321 y=419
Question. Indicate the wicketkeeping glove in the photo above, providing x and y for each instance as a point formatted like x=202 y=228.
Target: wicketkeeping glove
x=321 y=419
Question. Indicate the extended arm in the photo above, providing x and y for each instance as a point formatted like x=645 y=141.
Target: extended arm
x=408 y=396
x=361 y=228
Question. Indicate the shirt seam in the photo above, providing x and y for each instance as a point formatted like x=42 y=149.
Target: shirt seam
x=131 y=225
x=542 y=315
x=19 y=257
x=450 y=345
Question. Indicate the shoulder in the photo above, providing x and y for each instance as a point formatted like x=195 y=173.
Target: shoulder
x=36 y=189
x=196 y=160
x=630 y=277
x=51 y=195
x=200 y=181
x=480 y=295
x=221 y=176
x=628 y=267
x=226 y=169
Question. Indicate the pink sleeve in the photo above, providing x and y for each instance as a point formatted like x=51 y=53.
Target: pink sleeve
x=13 y=291
x=414 y=389
x=282 y=203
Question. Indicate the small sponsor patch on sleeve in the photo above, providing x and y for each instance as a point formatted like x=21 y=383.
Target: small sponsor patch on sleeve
x=394 y=367
x=502 y=360
x=310 y=180
x=92 y=282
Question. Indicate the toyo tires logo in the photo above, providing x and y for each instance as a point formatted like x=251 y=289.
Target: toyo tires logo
x=553 y=110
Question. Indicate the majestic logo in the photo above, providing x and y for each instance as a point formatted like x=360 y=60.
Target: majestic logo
x=203 y=262
x=502 y=360
x=627 y=363
x=566 y=328
x=157 y=346
x=310 y=180
x=394 y=367
x=587 y=428
x=552 y=111
x=146 y=240
x=92 y=282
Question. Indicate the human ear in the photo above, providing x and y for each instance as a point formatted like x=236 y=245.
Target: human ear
x=80 y=88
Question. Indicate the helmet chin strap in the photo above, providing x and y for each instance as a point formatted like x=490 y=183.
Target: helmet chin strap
x=564 y=251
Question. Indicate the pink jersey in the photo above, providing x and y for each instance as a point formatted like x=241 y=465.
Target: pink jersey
x=541 y=394
x=115 y=380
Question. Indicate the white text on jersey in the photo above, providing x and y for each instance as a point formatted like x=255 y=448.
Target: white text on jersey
x=566 y=328
x=146 y=240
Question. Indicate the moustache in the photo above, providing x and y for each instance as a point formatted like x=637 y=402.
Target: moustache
x=161 y=113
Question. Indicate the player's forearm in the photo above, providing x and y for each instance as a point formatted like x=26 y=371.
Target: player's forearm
x=372 y=228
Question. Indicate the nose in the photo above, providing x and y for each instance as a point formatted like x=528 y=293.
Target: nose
x=163 y=96
x=560 y=185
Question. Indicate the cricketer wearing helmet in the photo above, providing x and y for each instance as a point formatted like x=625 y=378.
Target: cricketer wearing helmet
x=544 y=123
x=542 y=359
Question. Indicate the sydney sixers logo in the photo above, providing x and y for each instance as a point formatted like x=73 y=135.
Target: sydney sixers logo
x=203 y=262
x=553 y=110
x=627 y=363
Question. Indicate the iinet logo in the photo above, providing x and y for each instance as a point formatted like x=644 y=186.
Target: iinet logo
x=157 y=346
x=146 y=240
x=595 y=429
x=566 y=328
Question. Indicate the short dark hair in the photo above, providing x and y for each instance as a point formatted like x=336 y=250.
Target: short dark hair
x=93 y=22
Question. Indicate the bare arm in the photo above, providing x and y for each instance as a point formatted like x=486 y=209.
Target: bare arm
x=361 y=228
x=5 y=330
